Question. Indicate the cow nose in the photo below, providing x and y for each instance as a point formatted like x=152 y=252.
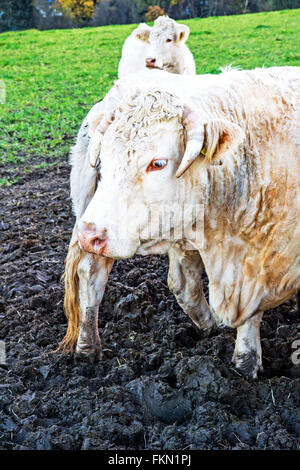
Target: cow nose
x=92 y=238
x=150 y=62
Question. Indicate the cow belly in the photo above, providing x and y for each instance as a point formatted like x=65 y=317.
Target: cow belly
x=272 y=300
x=280 y=284
x=245 y=302
x=236 y=292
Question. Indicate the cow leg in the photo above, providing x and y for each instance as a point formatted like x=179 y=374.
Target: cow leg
x=93 y=274
x=247 y=353
x=184 y=280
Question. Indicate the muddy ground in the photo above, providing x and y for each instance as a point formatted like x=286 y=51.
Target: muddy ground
x=162 y=384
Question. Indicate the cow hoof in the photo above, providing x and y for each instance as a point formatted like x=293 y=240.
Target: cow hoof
x=205 y=325
x=88 y=354
x=248 y=364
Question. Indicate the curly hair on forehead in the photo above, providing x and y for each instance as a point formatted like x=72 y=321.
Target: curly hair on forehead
x=162 y=25
x=138 y=112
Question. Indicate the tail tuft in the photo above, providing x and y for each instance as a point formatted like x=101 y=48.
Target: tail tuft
x=71 y=301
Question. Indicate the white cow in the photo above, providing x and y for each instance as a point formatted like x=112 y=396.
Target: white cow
x=218 y=159
x=162 y=46
x=86 y=276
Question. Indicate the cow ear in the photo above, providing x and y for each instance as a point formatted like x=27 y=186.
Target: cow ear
x=99 y=119
x=221 y=137
x=142 y=33
x=97 y=136
x=183 y=32
x=211 y=139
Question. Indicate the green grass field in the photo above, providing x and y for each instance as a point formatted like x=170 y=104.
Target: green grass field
x=53 y=78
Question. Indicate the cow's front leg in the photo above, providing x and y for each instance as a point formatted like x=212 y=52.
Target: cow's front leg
x=93 y=274
x=184 y=280
x=247 y=355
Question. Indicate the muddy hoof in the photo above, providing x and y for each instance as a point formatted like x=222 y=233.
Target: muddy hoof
x=88 y=354
x=248 y=364
x=204 y=325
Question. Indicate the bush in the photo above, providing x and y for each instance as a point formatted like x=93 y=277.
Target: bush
x=154 y=12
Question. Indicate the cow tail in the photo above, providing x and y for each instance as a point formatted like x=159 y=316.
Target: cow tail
x=71 y=300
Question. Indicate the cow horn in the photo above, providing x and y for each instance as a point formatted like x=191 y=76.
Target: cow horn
x=195 y=139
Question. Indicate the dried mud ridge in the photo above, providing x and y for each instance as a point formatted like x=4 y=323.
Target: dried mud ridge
x=162 y=383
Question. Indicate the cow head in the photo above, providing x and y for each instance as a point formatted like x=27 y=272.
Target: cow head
x=147 y=176
x=164 y=39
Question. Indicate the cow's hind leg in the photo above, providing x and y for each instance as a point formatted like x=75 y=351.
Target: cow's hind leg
x=184 y=280
x=247 y=355
x=93 y=274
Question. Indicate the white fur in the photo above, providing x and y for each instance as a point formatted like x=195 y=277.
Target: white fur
x=250 y=185
x=134 y=52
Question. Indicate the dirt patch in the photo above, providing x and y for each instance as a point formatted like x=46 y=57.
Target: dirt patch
x=162 y=384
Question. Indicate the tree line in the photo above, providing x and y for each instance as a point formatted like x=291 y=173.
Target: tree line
x=52 y=14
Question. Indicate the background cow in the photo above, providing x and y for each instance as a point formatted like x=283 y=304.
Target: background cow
x=161 y=46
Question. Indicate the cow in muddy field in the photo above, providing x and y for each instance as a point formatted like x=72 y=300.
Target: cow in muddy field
x=86 y=274
x=228 y=148
x=166 y=41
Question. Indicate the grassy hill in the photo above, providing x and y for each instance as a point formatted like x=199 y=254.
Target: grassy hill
x=52 y=78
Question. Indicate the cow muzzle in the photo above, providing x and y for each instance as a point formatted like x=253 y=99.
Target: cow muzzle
x=91 y=238
x=151 y=63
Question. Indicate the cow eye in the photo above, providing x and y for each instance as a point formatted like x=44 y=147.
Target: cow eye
x=168 y=40
x=157 y=164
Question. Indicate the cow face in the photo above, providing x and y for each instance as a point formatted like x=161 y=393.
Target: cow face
x=143 y=203
x=164 y=41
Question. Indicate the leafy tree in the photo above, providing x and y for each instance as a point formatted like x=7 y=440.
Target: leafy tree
x=154 y=12
x=283 y=4
x=79 y=10
x=16 y=14
x=46 y=15
x=115 y=12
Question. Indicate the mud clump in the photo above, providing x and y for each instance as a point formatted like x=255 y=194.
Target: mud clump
x=162 y=383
